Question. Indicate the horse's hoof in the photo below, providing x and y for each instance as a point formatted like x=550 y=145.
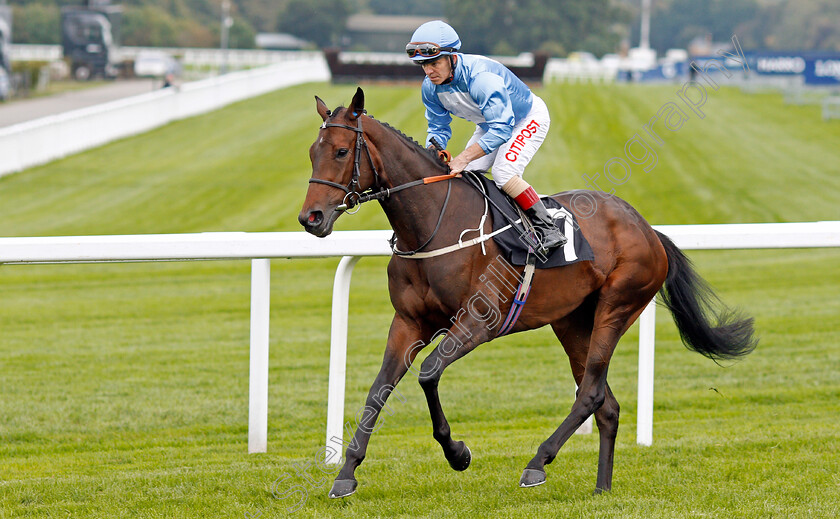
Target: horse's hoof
x=532 y=478
x=599 y=491
x=462 y=460
x=343 y=488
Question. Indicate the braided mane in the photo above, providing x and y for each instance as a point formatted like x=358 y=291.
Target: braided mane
x=419 y=147
x=398 y=132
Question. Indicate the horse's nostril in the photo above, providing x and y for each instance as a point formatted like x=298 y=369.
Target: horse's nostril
x=314 y=219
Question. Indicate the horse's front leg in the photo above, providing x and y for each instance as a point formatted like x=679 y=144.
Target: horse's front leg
x=460 y=340
x=403 y=344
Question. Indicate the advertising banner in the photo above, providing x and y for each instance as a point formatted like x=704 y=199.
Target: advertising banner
x=777 y=64
x=823 y=70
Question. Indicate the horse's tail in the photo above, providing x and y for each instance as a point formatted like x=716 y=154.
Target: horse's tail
x=706 y=325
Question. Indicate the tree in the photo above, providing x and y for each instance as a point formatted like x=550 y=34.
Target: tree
x=805 y=24
x=242 y=35
x=320 y=21
x=676 y=24
x=759 y=24
x=36 y=23
x=149 y=27
x=262 y=14
x=154 y=26
x=426 y=8
x=487 y=26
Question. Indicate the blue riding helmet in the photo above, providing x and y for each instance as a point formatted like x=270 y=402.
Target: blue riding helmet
x=432 y=40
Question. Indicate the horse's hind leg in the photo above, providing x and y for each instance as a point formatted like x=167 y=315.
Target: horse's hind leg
x=612 y=318
x=575 y=334
x=607 y=419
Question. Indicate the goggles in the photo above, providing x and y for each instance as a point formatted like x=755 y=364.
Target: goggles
x=426 y=50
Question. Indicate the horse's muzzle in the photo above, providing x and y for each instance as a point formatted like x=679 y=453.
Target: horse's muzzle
x=315 y=223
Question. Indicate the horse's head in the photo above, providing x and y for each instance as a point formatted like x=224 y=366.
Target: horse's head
x=340 y=172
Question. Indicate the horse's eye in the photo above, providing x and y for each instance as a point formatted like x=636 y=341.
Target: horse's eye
x=340 y=154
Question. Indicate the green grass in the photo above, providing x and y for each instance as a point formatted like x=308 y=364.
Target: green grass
x=124 y=387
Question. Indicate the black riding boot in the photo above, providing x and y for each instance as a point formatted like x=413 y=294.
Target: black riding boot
x=549 y=235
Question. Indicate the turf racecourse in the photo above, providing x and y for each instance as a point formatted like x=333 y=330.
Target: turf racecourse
x=124 y=387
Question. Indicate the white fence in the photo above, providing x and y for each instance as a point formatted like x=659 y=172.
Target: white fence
x=564 y=70
x=352 y=245
x=31 y=52
x=42 y=140
x=557 y=69
x=831 y=108
x=234 y=58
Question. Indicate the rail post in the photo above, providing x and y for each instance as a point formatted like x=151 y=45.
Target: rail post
x=644 y=413
x=258 y=390
x=338 y=354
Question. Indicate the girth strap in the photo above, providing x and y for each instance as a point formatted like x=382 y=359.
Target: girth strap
x=520 y=297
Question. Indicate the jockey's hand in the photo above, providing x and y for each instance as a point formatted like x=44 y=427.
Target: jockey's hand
x=464 y=158
x=458 y=164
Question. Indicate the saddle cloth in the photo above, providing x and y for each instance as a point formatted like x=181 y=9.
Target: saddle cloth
x=513 y=242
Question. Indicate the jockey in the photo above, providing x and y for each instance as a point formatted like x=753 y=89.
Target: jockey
x=512 y=121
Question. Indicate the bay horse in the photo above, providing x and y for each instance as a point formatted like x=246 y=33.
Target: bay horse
x=589 y=304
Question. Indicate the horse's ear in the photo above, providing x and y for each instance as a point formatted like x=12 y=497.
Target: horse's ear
x=357 y=105
x=323 y=111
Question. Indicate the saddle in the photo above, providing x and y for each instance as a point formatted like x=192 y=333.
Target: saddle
x=516 y=242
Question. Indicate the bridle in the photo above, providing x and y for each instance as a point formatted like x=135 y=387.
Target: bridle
x=355 y=197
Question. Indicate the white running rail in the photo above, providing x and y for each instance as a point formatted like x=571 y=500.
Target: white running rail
x=352 y=245
x=49 y=138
